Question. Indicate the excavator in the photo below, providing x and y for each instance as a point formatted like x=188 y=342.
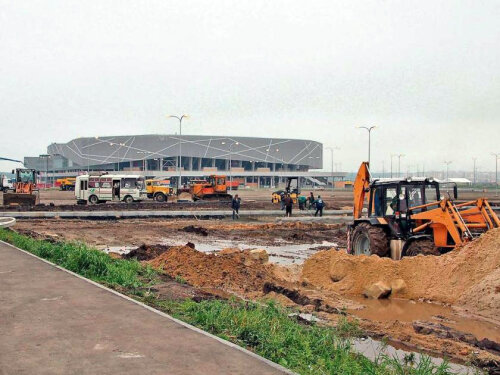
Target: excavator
x=25 y=191
x=294 y=192
x=412 y=216
x=213 y=188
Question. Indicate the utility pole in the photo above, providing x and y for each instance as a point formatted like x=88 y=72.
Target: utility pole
x=383 y=168
x=369 y=129
x=496 y=155
x=331 y=156
x=447 y=169
x=179 y=166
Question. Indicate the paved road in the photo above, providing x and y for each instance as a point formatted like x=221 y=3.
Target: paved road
x=52 y=322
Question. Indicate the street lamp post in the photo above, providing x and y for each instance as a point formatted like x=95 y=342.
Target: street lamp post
x=392 y=155
x=497 y=156
x=447 y=162
x=474 y=171
x=369 y=129
x=399 y=163
x=331 y=154
x=230 y=162
x=179 y=166
x=46 y=157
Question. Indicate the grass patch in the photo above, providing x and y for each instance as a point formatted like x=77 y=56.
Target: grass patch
x=265 y=329
x=86 y=261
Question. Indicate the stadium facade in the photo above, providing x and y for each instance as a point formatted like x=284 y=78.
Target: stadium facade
x=158 y=155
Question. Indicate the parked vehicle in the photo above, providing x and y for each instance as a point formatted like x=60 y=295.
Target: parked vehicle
x=159 y=190
x=67 y=183
x=106 y=187
x=6 y=184
x=25 y=191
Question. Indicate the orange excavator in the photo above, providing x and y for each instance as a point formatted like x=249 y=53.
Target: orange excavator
x=25 y=191
x=214 y=188
x=411 y=216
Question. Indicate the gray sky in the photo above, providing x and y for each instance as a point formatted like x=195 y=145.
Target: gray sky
x=426 y=72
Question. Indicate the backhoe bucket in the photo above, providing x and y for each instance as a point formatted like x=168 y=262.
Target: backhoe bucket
x=19 y=199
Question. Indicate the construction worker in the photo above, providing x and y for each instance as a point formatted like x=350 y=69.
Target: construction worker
x=302 y=202
x=319 y=206
x=311 y=200
x=235 y=205
x=288 y=201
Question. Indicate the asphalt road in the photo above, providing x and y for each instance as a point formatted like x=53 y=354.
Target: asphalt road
x=53 y=322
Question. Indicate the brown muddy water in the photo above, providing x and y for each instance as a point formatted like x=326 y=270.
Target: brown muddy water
x=394 y=309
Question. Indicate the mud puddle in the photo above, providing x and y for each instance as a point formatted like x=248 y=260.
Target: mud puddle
x=372 y=349
x=284 y=253
x=409 y=311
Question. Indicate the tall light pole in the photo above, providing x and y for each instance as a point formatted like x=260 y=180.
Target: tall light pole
x=179 y=166
x=392 y=155
x=369 y=129
x=230 y=162
x=447 y=162
x=496 y=155
x=46 y=157
x=399 y=163
x=331 y=154
x=474 y=171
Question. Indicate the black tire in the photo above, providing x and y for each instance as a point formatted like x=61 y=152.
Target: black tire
x=93 y=199
x=128 y=199
x=160 y=197
x=369 y=240
x=424 y=246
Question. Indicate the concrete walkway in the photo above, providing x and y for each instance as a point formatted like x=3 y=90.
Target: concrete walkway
x=53 y=322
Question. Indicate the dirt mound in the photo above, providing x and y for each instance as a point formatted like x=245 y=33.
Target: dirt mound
x=193 y=229
x=236 y=272
x=468 y=276
x=146 y=252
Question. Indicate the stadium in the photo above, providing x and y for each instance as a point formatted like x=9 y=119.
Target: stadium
x=261 y=161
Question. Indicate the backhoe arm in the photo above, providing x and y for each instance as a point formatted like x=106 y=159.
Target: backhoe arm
x=361 y=185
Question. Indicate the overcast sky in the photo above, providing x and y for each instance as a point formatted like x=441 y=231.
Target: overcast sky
x=426 y=72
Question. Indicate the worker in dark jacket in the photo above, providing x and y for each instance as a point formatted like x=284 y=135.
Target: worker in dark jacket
x=235 y=205
x=288 y=201
x=311 y=200
x=319 y=204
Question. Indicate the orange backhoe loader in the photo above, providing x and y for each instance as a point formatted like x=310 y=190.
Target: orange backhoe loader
x=411 y=216
x=25 y=191
x=214 y=188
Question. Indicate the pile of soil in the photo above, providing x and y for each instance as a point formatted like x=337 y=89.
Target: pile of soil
x=146 y=252
x=193 y=229
x=468 y=276
x=236 y=272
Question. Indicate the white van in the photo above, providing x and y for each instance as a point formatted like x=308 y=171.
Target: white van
x=101 y=188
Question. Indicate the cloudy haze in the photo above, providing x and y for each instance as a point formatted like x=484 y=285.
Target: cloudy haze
x=426 y=72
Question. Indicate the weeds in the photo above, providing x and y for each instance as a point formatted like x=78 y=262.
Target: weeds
x=264 y=329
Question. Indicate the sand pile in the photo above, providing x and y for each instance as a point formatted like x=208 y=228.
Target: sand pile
x=469 y=276
x=235 y=272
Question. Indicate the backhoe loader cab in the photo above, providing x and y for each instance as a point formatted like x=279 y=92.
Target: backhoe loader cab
x=411 y=216
x=294 y=191
x=24 y=188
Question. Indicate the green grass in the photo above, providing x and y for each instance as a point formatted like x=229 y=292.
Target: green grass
x=86 y=261
x=265 y=329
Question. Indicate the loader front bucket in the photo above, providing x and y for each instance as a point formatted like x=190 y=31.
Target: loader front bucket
x=19 y=199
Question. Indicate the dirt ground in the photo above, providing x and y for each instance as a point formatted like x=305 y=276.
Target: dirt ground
x=446 y=306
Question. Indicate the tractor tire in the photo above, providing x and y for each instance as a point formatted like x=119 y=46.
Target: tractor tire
x=160 y=197
x=93 y=199
x=422 y=246
x=369 y=240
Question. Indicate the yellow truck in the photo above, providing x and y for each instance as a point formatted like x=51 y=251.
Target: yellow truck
x=159 y=190
x=67 y=183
